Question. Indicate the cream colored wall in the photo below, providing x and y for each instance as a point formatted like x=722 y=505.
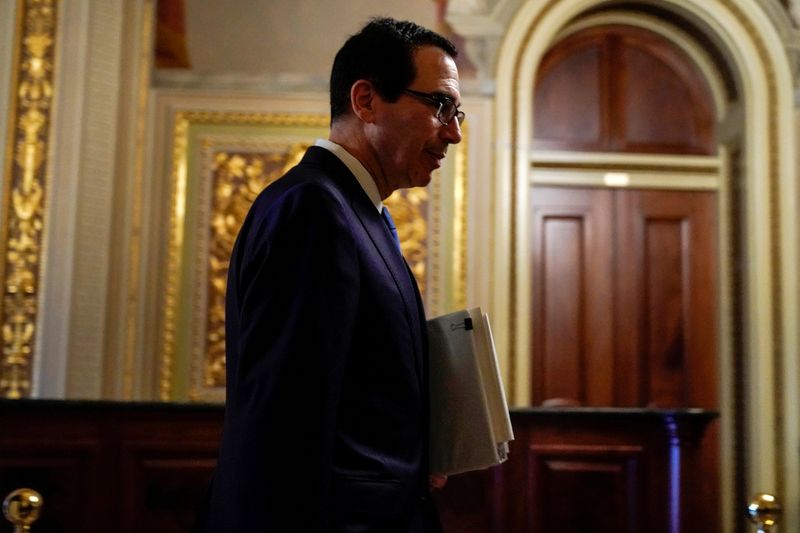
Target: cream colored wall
x=277 y=44
x=254 y=37
x=81 y=181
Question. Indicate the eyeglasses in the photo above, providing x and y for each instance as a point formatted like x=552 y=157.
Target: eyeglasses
x=446 y=107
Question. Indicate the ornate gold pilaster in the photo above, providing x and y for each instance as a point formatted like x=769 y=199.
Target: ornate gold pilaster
x=24 y=193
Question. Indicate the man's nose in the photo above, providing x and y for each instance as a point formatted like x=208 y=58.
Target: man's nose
x=452 y=132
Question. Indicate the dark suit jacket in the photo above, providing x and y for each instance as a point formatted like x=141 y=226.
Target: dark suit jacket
x=326 y=424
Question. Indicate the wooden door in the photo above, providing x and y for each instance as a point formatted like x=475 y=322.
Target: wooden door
x=624 y=297
x=572 y=259
x=666 y=313
x=666 y=316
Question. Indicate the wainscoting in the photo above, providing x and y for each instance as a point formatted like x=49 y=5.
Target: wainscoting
x=134 y=467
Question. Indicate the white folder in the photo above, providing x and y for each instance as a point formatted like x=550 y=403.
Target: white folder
x=469 y=425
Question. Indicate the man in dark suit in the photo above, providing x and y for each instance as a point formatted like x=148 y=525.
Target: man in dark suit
x=326 y=424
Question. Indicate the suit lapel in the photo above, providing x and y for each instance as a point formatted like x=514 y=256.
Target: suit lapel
x=383 y=241
x=395 y=263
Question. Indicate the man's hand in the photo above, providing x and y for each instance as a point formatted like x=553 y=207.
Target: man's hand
x=437 y=481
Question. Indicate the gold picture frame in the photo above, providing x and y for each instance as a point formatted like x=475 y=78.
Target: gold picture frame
x=220 y=162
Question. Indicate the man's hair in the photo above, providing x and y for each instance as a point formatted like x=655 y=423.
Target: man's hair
x=382 y=53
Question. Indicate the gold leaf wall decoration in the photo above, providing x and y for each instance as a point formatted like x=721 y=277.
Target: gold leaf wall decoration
x=24 y=196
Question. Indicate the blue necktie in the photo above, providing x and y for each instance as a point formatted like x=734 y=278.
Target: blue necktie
x=387 y=218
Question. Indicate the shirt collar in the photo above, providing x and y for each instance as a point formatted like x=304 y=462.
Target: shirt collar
x=359 y=171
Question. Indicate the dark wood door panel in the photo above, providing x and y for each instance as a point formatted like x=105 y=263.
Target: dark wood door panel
x=166 y=480
x=665 y=105
x=622 y=88
x=64 y=473
x=572 y=295
x=586 y=488
x=572 y=94
x=667 y=297
x=624 y=297
x=668 y=307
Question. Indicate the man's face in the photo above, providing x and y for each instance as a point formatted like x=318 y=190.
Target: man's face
x=410 y=141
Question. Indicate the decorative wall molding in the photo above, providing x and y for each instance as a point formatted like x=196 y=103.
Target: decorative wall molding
x=483 y=25
x=96 y=183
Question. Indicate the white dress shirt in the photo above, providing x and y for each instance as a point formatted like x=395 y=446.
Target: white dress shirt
x=359 y=171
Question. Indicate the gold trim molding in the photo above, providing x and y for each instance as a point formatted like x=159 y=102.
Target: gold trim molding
x=133 y=302
x=23 y=197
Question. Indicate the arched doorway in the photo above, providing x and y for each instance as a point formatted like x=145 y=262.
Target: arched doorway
x=758 y=229
x=623 y=189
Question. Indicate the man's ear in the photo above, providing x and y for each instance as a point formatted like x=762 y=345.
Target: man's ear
x=363 y=99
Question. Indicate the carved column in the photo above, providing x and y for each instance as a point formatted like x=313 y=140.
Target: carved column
x=24 y=192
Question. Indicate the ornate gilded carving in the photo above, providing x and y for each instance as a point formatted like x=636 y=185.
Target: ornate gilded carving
x=25 y=194
x=237 y=179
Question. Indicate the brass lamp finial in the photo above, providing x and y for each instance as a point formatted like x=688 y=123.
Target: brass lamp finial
x=764 y=510
x=22 y=508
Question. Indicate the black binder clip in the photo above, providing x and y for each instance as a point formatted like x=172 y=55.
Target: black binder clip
x=467 y=325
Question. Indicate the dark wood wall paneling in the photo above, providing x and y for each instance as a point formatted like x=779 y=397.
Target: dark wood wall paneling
x=134 y=468
x=580 y=470
x=104 y=467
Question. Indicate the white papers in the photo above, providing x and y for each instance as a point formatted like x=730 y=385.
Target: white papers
x=470 y=426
